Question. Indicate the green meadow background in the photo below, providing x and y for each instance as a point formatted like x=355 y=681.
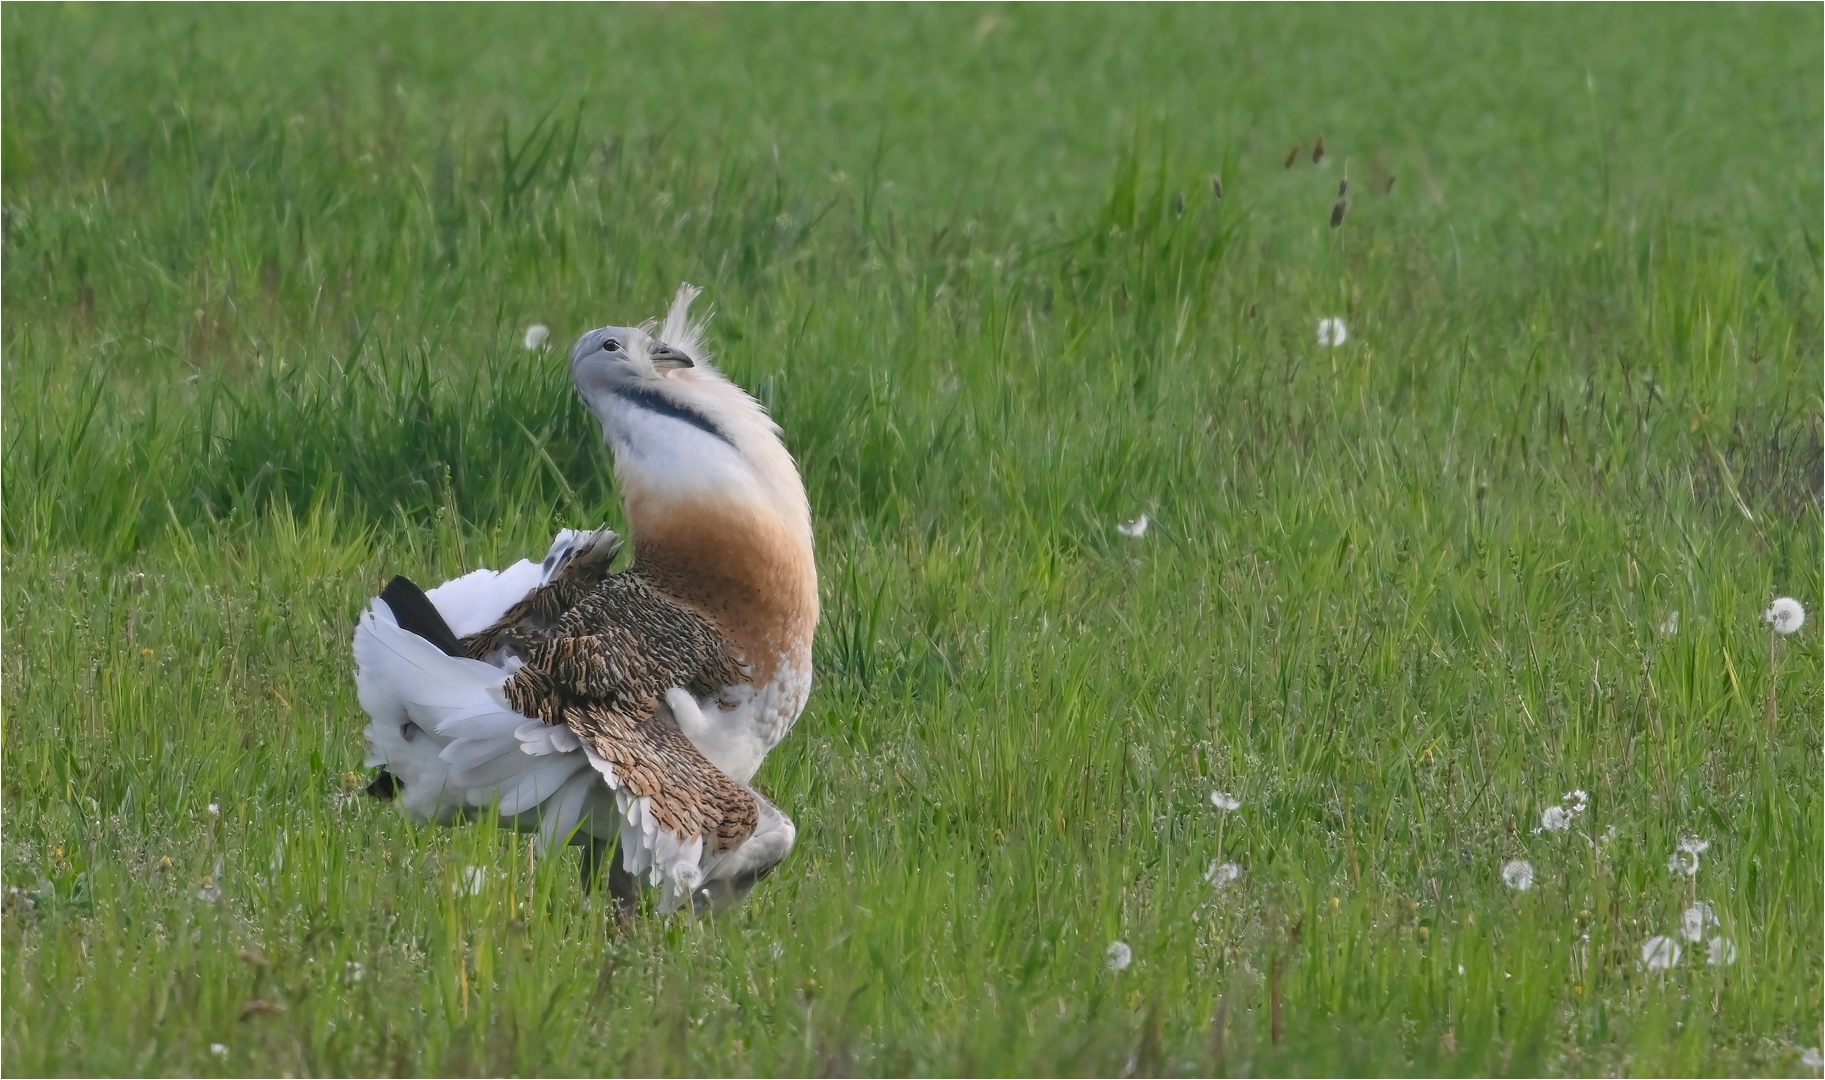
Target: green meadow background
x=266 y=275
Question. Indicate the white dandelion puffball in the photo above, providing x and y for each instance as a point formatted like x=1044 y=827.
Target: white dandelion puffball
x=536 y=335
x=215 y=809
x=1135 y=529
x=208 y=892
x=1693 y=921
x=1555 y=819
x=1332 y=333
x=1120 y=956
x=219 y=1050
x=1786 y=615
x=1684 y=859
x=1721 y=952
x=1518 y=874
x=1223 y=800
x=471 y=881
x=1221 y=874
x=1812 y=1059
x=1659 y=953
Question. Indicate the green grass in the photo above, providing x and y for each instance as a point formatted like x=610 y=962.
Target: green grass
x=265 y=275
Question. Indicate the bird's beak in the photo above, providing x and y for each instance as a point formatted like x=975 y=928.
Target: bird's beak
x=665 y=358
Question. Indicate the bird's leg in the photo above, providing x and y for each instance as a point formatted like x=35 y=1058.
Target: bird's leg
x=623 y=887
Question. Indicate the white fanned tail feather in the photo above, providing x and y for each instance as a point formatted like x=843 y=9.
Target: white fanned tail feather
x=442 y=728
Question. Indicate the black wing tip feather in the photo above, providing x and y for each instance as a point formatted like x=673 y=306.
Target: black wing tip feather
x=415 y=613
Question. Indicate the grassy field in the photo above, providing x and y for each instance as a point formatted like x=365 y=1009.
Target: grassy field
x=266 y=275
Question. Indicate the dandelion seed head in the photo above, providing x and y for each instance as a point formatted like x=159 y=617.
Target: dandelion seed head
x=215 y=809
x=1683 y=862
x=535 y=336
x=471 y=881
x=1720 y=952
x=1518 y=874
x=1694 y=845
x=219 y=1050
x=1693 y=920
x=1135 y=529
x=207 y=890
x=1332 y=332
x=1786 y=615
x=1659 y=953
x=1221 y=874
x=1812 y=1058
x=1223 y=800
x=1555 y=819
x=1120 y=955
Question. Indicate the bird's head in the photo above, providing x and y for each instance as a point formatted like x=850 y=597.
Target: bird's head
x=681 y=432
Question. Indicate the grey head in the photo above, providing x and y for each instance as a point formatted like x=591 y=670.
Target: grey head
x=623 y=372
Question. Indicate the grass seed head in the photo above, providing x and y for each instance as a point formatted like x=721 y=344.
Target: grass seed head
x=1338 y=209
x=1291 y=156
x=1216 y=185
x=1318 y=150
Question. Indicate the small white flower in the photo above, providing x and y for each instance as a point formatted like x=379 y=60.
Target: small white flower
x=1670 y=625
x=1223 y=800
x=1332 y=332
x=1785 y=615
x=1221 y=874
x=1576 y=800
x=536 y=335
x=1720 y=952
x=1659 y=953
x=1812 y=1059
x=1120 y=956
x=1518 y=874
x=1460 y=969
x=215 y=809
x=353 y=972
x=471 y=881
x=1135 y=529
x=219 y=1050
x=1693 y=921
x=1555 y=819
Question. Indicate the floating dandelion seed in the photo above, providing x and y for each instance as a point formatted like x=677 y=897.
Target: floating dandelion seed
x=1786 y=615
x=1216 y=185
x=219 y=1050
x=471 y=881
x=1223 y=800
x=1659 y=953
x=1332 y=332
x=1693 y=920
x=1120 y=956
x=1221 y=874
x=1318 y=150
x=1518 y=874
x=1720 y=952
x=536 y=335
x=1135 y=529
x=1670 y=625
x=1555 y=819
x=1812 y=1059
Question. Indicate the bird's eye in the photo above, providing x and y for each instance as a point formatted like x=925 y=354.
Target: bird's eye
x=611 y=345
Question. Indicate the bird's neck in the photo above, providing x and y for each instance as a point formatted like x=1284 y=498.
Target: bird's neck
x=738 y=563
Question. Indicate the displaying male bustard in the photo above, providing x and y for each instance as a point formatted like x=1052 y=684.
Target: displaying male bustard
x=594 y=706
